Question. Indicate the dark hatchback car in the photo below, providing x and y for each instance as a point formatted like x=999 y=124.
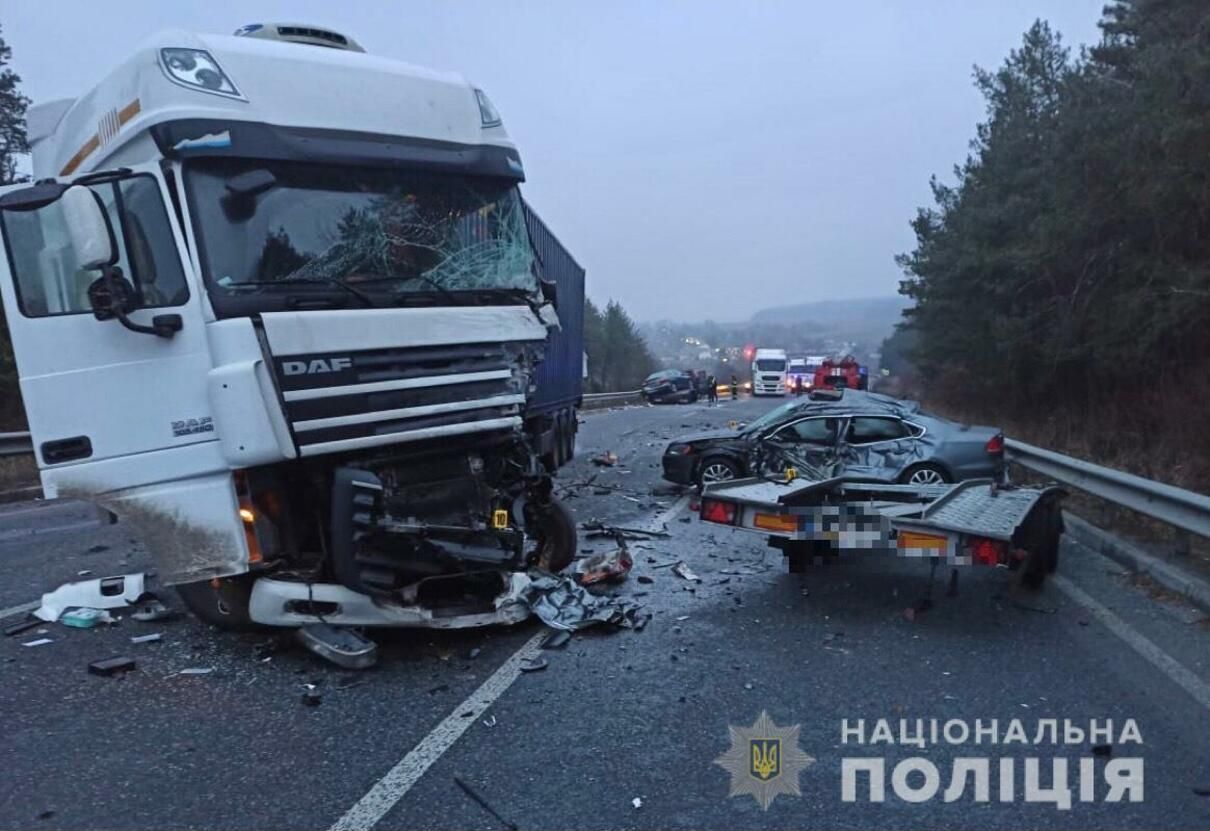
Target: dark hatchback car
x=860 y=435
x=669 y=387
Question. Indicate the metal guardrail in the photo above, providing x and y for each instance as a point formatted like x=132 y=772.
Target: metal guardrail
x=598 y=400
x=15 y=444
x=609 y=396
x=1184 y=509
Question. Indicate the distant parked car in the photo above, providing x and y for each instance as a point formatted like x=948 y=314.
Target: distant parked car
x=860 y=435
x=669 y=386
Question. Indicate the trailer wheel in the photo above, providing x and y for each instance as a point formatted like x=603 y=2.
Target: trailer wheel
x=221 y=602
x=1040 y=538
x=555 y=533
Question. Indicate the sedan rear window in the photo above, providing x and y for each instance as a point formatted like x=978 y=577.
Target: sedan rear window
x=869 y=429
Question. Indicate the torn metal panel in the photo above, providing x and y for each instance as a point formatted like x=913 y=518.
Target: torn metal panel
x=191 y=528
x=561 y=604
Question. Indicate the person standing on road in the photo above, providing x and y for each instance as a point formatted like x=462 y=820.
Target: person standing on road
x=734 y=387
x=711 y=389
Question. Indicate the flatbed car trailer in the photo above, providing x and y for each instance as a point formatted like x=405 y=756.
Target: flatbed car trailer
x=976 y=522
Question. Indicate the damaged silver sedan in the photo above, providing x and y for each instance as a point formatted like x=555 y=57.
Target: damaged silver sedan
x=863 y=435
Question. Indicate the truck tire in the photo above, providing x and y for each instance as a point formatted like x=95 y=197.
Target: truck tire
x=221 y=602
x=555 y=534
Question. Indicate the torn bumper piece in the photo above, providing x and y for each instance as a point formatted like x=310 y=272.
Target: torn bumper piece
x=556 y=599
x=291 y=603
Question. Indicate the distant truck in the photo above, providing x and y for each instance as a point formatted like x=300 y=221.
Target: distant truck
x=841 y=373
x=769 y=372
x=800 y=373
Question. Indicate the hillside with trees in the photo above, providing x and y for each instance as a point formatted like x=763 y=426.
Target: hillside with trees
x=1062 y=281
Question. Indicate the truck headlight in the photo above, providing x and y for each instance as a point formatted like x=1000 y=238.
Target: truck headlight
x=197 y=69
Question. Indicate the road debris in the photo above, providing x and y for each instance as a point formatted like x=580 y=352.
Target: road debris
x=152 y=638
x=534 y=664
x=557 y=639
x=682 y=569
x=606 y=459
x=489 y=722
x=23 y=626
x=191 y=671
x=39 y=642
x=637 y=802
x=111 y=666
x=101 y=593
x=596 y=528
x=482 y=803
x=85 y=618
x=152 y=609
x=645 y=579
x=311 y=696
x=562 y=604
x=606 y=567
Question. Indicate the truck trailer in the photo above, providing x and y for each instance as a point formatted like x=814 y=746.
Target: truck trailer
x=278 y=305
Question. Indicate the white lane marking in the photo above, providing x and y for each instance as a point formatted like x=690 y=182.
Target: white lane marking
x=664 y=517
x=392 y=787
x=388 y=790
x=16 y=610
x=1160 y=659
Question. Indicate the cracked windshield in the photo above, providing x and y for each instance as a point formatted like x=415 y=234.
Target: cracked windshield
x=394 y=232
x=523 y=414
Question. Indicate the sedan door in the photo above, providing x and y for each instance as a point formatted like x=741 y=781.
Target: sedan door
x=808 y=445
x=878 y=448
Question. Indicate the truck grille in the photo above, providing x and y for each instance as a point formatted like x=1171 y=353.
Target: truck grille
x=362 y=399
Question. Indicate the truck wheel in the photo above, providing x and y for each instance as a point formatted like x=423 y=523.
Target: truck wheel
x=221 y=602
x=555 y=533
x=925 y=474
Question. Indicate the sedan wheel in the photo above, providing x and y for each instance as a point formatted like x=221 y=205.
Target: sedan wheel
x=716 y=470
x=926 y=476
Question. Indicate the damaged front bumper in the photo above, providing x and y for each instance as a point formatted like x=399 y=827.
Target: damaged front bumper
x=277 y=602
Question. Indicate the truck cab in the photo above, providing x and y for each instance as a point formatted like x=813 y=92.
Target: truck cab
x=769 y=372
x=276 y=306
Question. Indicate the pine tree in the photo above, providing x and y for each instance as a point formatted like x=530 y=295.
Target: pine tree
x=12 y=119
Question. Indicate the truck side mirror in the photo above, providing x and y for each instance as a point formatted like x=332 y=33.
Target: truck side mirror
x=92 y=238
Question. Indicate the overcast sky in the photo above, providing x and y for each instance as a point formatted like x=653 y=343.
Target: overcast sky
x=700 y=159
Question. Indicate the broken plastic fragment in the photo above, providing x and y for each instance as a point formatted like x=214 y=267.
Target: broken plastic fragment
x=681 y=569
x=608 y=566
x=103 y=593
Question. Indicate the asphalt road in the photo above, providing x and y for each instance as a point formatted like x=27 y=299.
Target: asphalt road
x=616 y=716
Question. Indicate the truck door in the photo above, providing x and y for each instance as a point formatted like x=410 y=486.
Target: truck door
x=94 y=391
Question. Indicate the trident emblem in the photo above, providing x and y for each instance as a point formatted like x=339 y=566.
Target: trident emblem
x=766 y=758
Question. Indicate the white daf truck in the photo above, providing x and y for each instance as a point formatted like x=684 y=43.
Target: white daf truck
x=274 y=304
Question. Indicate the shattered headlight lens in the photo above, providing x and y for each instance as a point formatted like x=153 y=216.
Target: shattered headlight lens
x=197 y=69
x=680 y=449
x=487 y=113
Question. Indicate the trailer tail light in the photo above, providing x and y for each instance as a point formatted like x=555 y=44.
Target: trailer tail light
x=995 y=445
x=776 y=522
x=716 y=511
x=985 y=552
x=917 y=544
